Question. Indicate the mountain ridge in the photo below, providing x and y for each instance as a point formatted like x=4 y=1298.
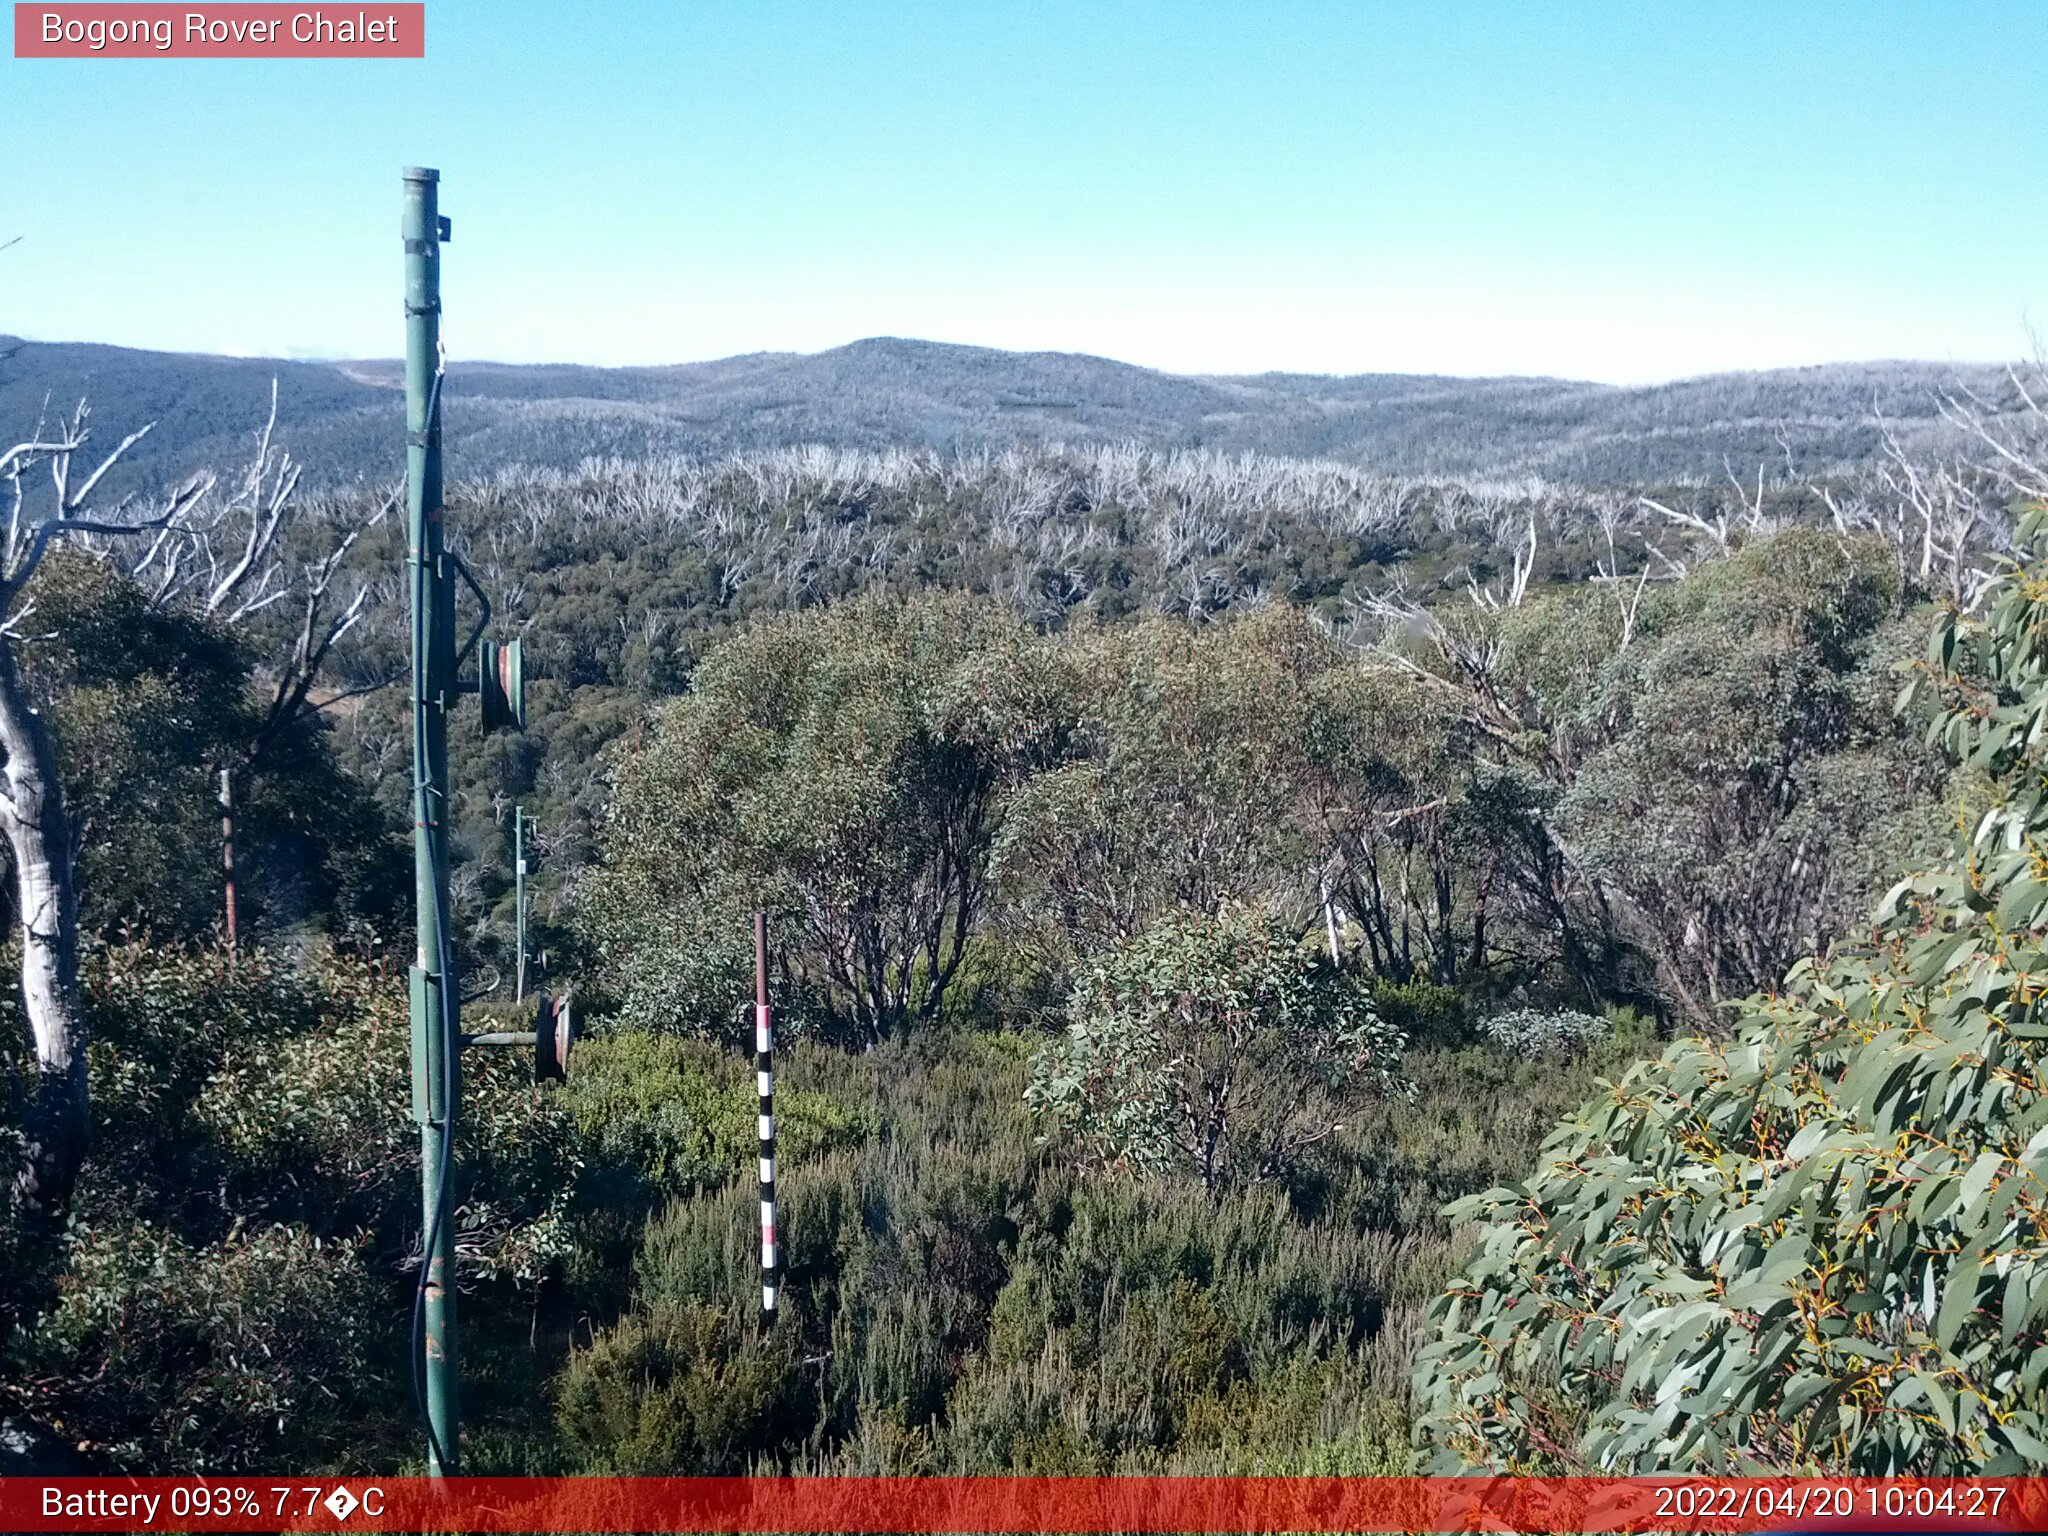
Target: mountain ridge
x=341 y=417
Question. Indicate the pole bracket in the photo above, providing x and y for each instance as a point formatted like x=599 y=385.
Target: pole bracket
x=483 y=619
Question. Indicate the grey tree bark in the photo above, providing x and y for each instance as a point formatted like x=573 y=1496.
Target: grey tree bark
x=54 y=1122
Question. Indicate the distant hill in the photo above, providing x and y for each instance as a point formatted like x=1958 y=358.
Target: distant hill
x=343 y=420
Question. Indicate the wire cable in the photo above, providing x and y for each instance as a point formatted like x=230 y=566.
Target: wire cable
x=422 y=595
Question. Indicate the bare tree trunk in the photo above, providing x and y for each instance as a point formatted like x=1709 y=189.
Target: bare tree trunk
x=50 y=1145
x=39 y=836
x=1479 y=901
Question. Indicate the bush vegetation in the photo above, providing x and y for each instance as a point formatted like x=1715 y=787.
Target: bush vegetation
x=960 y=1297
x=1819 y=1244
x=1174 y=909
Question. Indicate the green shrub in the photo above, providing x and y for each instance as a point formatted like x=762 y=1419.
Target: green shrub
x=975 y=1305
x=304 y=1088
x=1429 y=1015
x=1544 y=1031
x=680 y=1114
x=146 y=701
x=253 y=1120
x=1151 y=1326
x=1212 y=1045
x=1825 y=1243
x=845 y=768
x=254 y=1353
x=684 y=1388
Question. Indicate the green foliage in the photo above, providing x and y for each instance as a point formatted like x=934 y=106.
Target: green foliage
x=1822 y=1244
x=961 y=811
x=681 y=964
x=148 y=704
x=1214 y=1046
x=236 y=1295
x=277 y=1091
x=1154 y=1327
x=1737 y=776
x=1402 y=1161
x=1543 y=1031
x=842 y=768
x=260 y=1090
x=971 y=1306
x=1537 y=799
x=1425 y=1013
x=893 y=1248
x=253 y=1352
x=680 y=1115
x=957 y=1295
x=1405 y=818
x=1183 y=781
x=687 y=1389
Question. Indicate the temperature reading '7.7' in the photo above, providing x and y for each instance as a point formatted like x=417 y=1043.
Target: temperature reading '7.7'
x=341 y=1502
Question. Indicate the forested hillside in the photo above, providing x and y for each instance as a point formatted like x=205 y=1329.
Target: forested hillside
x=887 y=393
x=1187 y=872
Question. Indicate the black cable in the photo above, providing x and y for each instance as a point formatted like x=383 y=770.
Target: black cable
x=450 y=1043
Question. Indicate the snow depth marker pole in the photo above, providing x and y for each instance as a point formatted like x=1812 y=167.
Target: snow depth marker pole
x=764 y=1076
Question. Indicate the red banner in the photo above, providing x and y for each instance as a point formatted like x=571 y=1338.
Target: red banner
x=148 y=31
x=1020 y=1504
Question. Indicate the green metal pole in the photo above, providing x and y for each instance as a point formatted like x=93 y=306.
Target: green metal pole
x=519 y=894
x=436 y=1079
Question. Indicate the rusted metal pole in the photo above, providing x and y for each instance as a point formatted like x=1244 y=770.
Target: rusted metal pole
x=764 y=1076
x=227 y=851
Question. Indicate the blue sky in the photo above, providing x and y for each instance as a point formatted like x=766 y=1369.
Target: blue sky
x=1624 y=192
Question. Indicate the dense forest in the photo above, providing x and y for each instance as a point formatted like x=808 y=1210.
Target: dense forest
x=1286 y=966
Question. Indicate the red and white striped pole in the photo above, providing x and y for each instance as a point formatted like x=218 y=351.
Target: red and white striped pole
x=764 y=1075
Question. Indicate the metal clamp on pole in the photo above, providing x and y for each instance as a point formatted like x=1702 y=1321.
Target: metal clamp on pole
x=552 y=1038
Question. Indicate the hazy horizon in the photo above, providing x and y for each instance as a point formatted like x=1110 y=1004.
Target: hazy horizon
x=393 y=358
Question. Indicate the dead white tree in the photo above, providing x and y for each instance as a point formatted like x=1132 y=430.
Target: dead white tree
x=231 y=556
x=52 y=1124
x=2016 y=435
x=1722 y=524
x=1628 y=596
x=223 y=555
x=1467 y=646
x=1524 y=564
x=1945 y=500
